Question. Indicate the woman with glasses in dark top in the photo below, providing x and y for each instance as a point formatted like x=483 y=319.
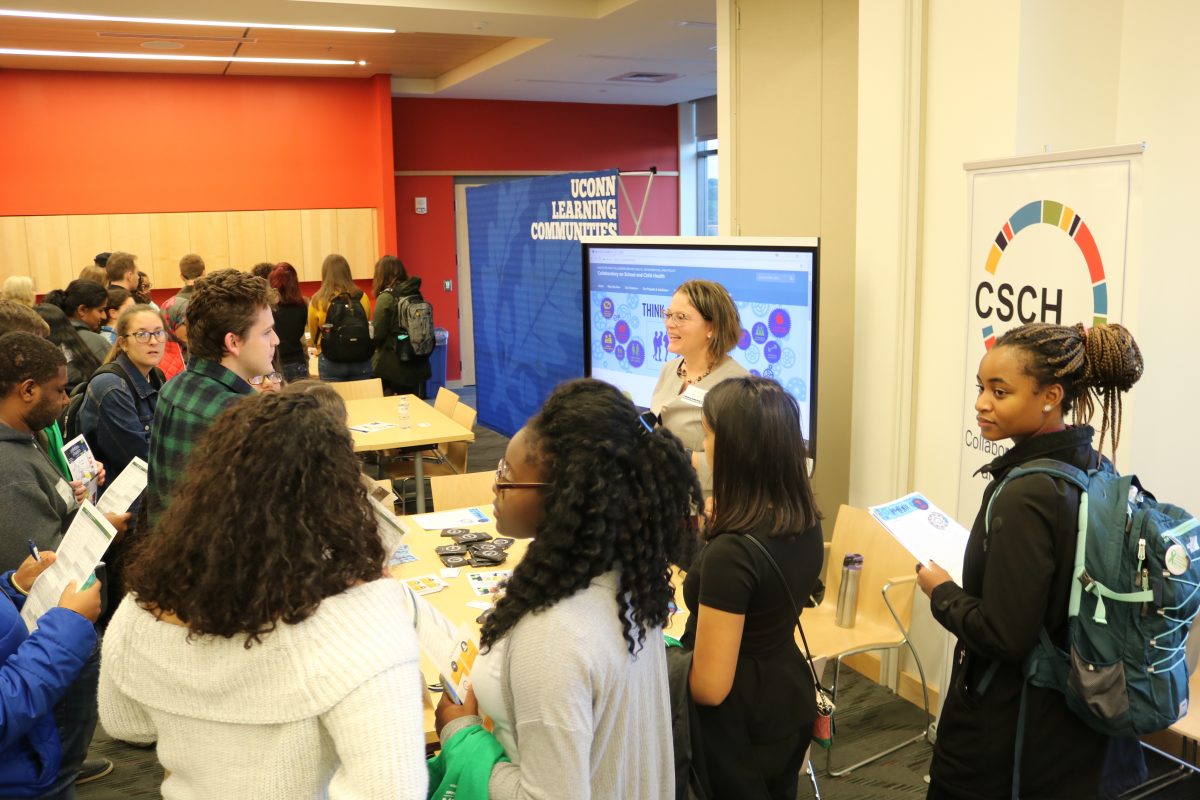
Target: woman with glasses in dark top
x=119 y=406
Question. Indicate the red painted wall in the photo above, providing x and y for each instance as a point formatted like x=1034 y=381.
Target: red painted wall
x=470 y=137
x=112 y=143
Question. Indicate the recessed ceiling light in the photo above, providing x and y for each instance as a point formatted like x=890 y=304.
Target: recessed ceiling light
x=6 y=12
x=12 y=51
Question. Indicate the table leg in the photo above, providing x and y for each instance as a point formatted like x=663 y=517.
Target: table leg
x=419 y=477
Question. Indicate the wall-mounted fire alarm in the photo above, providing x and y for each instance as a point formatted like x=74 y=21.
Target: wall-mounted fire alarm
x=422 y=205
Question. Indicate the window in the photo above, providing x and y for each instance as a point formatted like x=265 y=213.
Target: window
x=706 y=187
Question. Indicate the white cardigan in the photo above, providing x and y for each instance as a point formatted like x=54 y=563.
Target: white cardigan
x=328 y=708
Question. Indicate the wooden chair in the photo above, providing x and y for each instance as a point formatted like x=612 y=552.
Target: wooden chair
x=445 y=401
x=359 y=390
x=453 y=456
x=460 y=491
x=885 y=597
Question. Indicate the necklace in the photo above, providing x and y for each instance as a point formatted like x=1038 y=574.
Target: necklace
x=681 y=371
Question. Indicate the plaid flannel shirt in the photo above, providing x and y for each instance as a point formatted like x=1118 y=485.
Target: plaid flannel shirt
x=187 y=406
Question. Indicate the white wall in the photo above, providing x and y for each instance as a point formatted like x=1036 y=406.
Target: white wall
x=1001 y=78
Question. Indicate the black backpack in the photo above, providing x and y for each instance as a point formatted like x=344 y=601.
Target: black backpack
x=414 y=326
x=69 y=421
x=346 y=335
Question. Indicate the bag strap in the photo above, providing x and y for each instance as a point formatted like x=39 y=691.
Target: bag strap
x=795 y=608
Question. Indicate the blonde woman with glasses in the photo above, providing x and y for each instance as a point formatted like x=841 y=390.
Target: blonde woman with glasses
x=703 y=326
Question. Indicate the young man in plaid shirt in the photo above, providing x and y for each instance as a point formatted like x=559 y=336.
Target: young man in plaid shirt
x=231 y=339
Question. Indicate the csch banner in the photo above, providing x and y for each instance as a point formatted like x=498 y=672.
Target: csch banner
x=526 y=286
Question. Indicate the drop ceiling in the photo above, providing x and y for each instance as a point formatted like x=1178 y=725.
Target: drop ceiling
x=548 y=50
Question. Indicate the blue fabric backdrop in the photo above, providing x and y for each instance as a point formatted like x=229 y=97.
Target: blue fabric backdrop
x=527 y=286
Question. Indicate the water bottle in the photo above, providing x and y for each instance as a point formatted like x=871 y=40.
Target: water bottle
x=402 y=413
x=847 y=602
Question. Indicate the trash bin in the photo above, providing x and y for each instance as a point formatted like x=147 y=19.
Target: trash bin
x=437 y=362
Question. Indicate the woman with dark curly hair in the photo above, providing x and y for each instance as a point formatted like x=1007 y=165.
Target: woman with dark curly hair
x=752 y=688
x=573 y=670
x=258 y=644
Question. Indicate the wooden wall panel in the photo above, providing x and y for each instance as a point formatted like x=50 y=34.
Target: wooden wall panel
x=248 y=239
x=283 y=238
x=14 y=253
x=356 y=240
x=49 y=243
x=209 y=233
x=169 y=242
x=89 y=234
x=131 y=233
x=318 y=229
x=52 y=249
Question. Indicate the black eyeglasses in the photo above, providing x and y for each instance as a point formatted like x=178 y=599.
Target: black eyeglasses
x=502 y=484
x=273 y=377
x=143 y=337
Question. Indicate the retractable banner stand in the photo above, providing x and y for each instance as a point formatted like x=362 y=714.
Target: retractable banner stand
x=1051 y=241
x=527 y=288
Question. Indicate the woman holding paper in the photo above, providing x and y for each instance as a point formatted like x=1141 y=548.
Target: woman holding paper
x=1017 y=576
x=752 y=687
x=118 y=408
x=573 y=671
x=703 y=326
x=260 y=644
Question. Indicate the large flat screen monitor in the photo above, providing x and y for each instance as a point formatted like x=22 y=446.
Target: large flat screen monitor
x=628 y=282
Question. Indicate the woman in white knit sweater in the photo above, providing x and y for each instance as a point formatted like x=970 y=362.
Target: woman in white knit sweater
x=573 y=671
x=259 y=645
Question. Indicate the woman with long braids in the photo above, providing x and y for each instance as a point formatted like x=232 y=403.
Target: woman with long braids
x=752 y=688
x=1016 y=577
x=573 y=671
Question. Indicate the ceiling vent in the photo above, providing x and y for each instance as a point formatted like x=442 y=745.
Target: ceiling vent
x=645 y=77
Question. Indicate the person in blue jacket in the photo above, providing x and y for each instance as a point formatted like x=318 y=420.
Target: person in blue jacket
x=35 y=670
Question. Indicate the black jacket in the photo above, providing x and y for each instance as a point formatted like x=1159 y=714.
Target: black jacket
x=408 y=373
x=1015 y=580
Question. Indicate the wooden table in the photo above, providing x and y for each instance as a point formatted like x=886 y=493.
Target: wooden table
x=452 y=601
x=428 y=427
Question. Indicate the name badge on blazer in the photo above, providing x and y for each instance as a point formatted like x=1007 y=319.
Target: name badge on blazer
x=693 y=395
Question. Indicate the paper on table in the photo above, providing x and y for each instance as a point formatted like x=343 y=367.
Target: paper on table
x=455 y=518
x=76 y=558
x=121 y=493
x=371 y=427
x=925 y=531
x=82 y=464
x=453 y=650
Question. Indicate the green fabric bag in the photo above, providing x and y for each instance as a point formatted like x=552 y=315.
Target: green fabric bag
x=462 y=769
x=54 y=444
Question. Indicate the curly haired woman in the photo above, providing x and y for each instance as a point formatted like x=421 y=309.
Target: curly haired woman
x=573 y=672
x=259 y=645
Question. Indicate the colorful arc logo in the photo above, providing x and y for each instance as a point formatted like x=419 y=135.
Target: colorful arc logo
x=1050 y=212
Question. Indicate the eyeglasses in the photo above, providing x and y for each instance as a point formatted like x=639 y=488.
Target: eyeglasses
x=273 y=377
x=143 y=337
x=678 y=317
x=501 y=484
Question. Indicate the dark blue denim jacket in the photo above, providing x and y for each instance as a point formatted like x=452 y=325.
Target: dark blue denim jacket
x=115 y=422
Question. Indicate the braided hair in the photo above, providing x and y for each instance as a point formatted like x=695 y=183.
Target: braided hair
x=1093 y=366
x=621 y=497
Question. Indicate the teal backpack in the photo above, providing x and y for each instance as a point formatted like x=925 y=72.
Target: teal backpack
x=1136 y=590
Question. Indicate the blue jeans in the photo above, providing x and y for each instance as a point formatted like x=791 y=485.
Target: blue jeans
x=337 y=371
x=76 y=715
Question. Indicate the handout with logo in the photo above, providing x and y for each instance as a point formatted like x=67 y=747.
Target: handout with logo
x=453 y=650
x=76 y=558
x=82 y=465
x=925 y=531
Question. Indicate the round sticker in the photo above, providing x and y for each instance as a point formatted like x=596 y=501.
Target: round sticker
x=1177 y=560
